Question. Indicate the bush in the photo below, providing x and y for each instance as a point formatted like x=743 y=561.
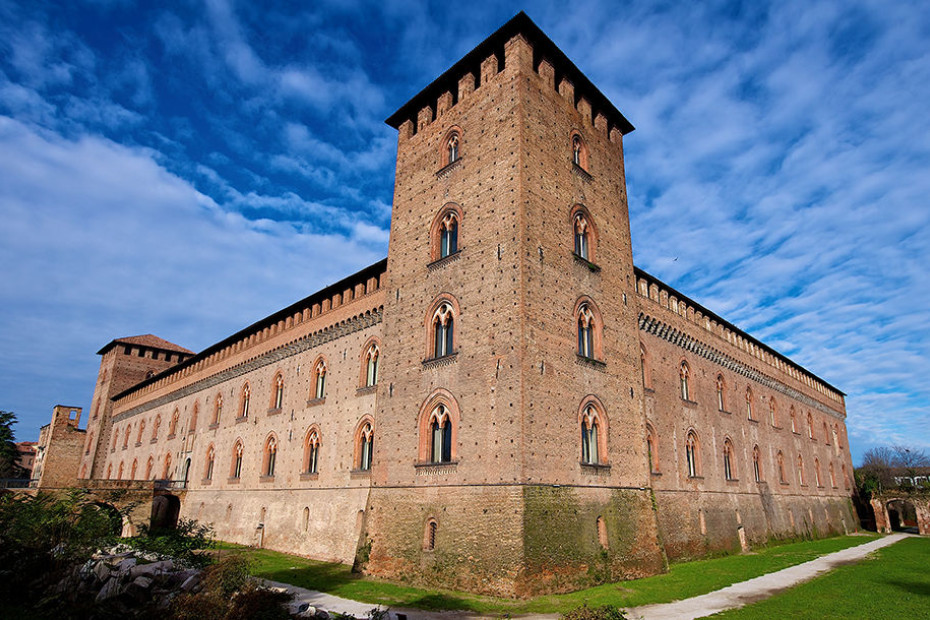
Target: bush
x=230 y=594
x=604 y=612
x=187 y=543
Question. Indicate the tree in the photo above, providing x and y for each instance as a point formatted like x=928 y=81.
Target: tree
x=8 y=452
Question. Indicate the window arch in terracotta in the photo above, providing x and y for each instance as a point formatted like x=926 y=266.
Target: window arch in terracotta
x=217 y=409
x=211 y=461
x=312 y=450
x=757 y=464
x=364 y=443
x=245 y=399
x=445 y=232
x=594 y=425
x=318 y=377
x=371 y=362
x=721 y=394
x=585 y=236
x=441 y=323
x=579 y=150
x=589 y=327
x=438 y=424
x=652 y=445
x=750 y=405
x=684 y=381
x=693 y=454
x=277 y=392
x=729 y=469
x=269 y=455
x=451 y=147
x=235 y=470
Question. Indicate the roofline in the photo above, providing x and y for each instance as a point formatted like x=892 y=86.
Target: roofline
x=731 y=326
x=543 y=47
x=118 y=341
x=337 y=287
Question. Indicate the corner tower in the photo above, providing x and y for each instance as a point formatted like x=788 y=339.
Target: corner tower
x=510 y=456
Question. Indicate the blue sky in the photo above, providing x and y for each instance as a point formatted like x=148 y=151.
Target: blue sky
x=186 y=168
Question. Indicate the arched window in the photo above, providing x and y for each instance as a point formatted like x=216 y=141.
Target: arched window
x=211 y=459
x=115 y=440
x=365 y=443
x=588 y=320
x=750 y=414
x=684 y=373
x=119 y=476
x=429 y=535
x=277 y=392
x=794 y=420
x=305 y=522
x=109 y=471
x=826 y=434
x=832 y=476
x=443 y=330
x=194 y=415
x=579 y=151
x=452 y=148
x=270 y=455
x=590 y=448
x=370 y=359
x=756 y=464
x=155 y=427
x=652 y=456
x=173 y=425
x=444 y=232
x=90 y=442
x=810 y=425
x=721 y=403
x=133 y=468
x=440 y=427
x=244 y=397
x=800 y=470
x=166 y=472
x=448 y=235
x=692 y=455
x=772 y=413
x=126 y=436
x=149 y=467
x=728 y=460
x=236 y=461
x=817 y=478
x=141 y=431
x=312 y=452
x=780 y=461
x=319 y=379
x=581 y=236
x=217 y=409
x=836 y=437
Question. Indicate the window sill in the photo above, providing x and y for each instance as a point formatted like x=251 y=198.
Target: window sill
x=430 y=468
x=274 y=410
x=307 y=476
x=597 y=469
x=360 y=473
x=695 y=477
x=761 y=482
x=590 y=361
x=448 y=168
x=689 y=403
x=266 y=478
x=171 y=436
x=732 y=481
x=753 y=420
x=368 y=389
x=584 y=261
x=581 y=172
x=445 y=360
x=153 y=440
x=445 y=260
x=723 y=411
x=655 y=473
x=213 y=426
x=206 y=482
x=138 y=444
x=313 y=402
x=649 y=390
x=242 y=419
x=125 y=447
x=232 y=480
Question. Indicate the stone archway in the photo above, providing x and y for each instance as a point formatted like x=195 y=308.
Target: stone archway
x=901 y=512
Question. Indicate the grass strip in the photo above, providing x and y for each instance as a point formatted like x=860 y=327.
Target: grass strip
x=683 y=580
x=892 y=582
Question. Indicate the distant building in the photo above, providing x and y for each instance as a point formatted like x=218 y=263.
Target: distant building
x=58 y=452
x=25 y=459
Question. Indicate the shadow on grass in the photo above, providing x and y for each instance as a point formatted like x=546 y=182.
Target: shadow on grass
x=322 y=577
x=443 y=602
x=920 y=588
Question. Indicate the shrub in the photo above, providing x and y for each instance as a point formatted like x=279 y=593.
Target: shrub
x=230 y=594
x=604 y=612
x=187 y=543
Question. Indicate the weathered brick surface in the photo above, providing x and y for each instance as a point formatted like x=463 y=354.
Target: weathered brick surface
x=516 y=511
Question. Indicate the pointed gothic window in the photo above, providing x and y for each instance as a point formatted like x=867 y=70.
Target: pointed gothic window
x=587 y=331
x=692 y=455
x=319 y=372
x=443 y=320
x=237 y=461
x=217 y=409
x=211 y=459
x=371 y=365
x=684 y=374
x=750 y=414
x=582 y=243
x=756 y=464
x=277 y=398
x=366 y=440
x=780 y=461
x=312 y=451
x=721 y=405
x=440 y=427
x=728 y=460
x=448 y=235
x=271 y=455
x=452 y=148
x=590 y=448
x=244 y=399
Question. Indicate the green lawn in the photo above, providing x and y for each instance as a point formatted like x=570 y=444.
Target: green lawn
x=893 y=582
x=682 y=581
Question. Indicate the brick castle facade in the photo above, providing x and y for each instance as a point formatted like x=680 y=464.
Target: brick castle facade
x=505 y=404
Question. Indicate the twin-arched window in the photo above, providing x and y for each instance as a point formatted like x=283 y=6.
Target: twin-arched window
x=271 y=455
x=692 y=455
x=277 y=394
x=780 y=462
x=589 y=325
x=721 y=386
x=319 y=379
x=244 y=400
x=173 y=425
x=684 y=375
x=584 y=233
x=579 y=151
x=371 y=365
x=448 y=235
x=237 y=461
x=582 y=243
x=217 y=409
x=440 y=428
x=728 y=471
x=211 y=460
x=756 y=464
x=443 y=330
x=452 y=148
x=750 y=414
x=593 y=424
x=366 y=444
x=312 y=452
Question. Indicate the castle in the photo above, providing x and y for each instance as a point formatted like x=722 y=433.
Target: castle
x=505 y=404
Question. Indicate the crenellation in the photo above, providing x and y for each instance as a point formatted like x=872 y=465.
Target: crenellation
x=547 y=72
x=584 y=109
x=567 y=90
x=488 y=69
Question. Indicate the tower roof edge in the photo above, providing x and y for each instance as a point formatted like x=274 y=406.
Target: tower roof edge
x=543 y=47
